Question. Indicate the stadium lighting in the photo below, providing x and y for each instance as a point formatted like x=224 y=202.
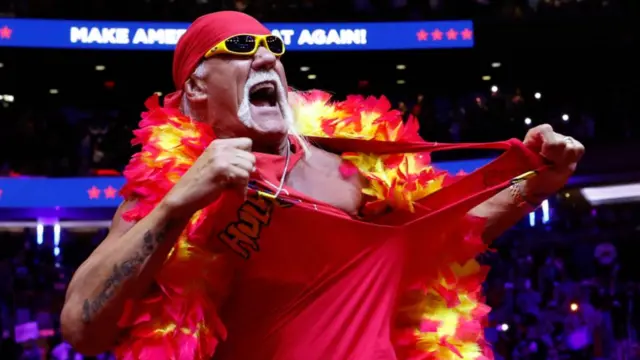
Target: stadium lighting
x=495 y=65
x=546 y=214
x=81 y=224
x=401 y=67
x=53 y=91
x=40 y=234
x=486 y=78
x=600 y=195
x=56 y=239
x=305 y=68
x=311 y=77
x=527 y=121
x=565 y=117
x=494 y=89
x=100 y=67
x=400 y=82
x=537 y=95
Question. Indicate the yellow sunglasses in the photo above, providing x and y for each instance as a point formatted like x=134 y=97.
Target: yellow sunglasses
x=247 y=45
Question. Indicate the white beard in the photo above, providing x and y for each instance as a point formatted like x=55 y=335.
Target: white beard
x=257 y=77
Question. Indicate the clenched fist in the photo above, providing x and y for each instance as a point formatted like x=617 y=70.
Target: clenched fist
x=563 y=154
x=225 y=164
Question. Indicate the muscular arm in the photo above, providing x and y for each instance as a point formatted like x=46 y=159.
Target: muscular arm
x=562 y=152
x=121 y=268
x=124 y=265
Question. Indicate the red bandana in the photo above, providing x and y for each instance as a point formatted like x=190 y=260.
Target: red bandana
x=206 y=32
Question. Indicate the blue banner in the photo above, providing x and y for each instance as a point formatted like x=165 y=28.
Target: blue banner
x=67 y=34
x=102 y=192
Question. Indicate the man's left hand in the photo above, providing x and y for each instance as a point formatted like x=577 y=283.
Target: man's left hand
x=562 y=152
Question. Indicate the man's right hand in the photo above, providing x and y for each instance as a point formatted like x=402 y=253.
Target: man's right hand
x=225 y=163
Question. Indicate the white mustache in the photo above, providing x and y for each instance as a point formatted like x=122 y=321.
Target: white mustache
x=255 y=78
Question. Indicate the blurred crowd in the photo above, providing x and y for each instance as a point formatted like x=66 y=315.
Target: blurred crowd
x=52 y=144
x=310 y=10
x=569 y=290
x=32 y=292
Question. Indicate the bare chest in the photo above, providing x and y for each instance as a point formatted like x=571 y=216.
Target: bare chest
x=319 y=177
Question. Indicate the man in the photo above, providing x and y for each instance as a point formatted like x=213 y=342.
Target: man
x=278 y=258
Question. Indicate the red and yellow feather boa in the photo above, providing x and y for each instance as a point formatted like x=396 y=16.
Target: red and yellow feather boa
x=441 y=318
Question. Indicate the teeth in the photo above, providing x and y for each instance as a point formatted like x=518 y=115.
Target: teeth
x=265 y=85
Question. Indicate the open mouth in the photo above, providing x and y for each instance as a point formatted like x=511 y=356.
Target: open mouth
x=263 y=94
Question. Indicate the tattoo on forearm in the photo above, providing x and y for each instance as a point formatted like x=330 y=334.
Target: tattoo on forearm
x=121 y=272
